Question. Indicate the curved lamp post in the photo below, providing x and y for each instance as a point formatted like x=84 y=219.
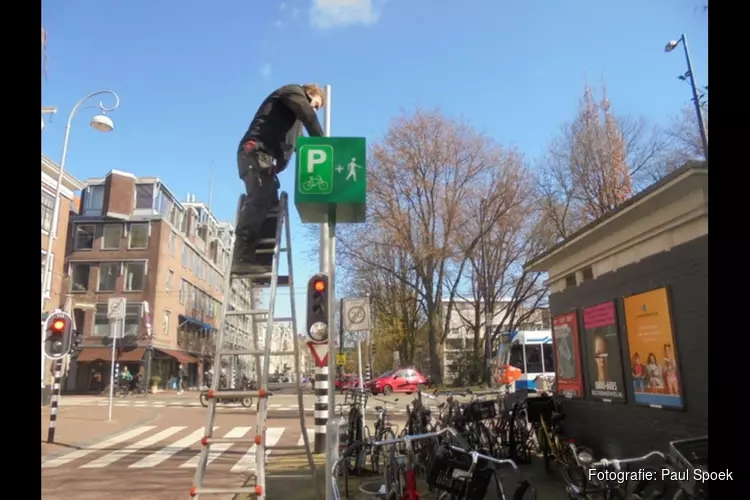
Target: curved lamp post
x=102 y=123
x=694 y=87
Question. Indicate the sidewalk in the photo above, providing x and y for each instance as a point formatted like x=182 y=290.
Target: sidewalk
x=78 y=426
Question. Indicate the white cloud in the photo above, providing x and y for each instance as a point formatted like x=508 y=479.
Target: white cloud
x=283 y=6
x=265 y=70
x=326 y=14
x=279 y=23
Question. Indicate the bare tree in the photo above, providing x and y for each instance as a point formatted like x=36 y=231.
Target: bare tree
x=420 y=177
x=596 y=163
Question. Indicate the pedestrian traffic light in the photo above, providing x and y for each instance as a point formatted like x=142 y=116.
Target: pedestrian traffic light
x=58 y=334
x=317 y=308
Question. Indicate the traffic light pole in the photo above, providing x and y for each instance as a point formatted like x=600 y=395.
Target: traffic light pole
x=54 y=402
x=327 y=265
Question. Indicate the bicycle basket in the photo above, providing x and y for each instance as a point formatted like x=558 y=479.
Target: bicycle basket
x=540 y=407
x=481 y=410
x=690 y=453
x=449 y=472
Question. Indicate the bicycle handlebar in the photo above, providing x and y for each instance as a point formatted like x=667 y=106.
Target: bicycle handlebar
x=384 y=401
x=617 y=463
x=475 y=456
x=416 y=437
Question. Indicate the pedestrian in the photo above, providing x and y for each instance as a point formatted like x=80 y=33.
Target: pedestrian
x=264 y=152
x=181 y=376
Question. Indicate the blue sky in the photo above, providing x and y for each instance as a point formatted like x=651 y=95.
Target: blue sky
x=191 y=73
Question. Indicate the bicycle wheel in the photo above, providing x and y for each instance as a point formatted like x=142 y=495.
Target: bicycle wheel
x=379 y=457
x=545 y=450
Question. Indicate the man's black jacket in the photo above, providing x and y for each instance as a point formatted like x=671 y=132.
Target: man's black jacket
x=278 y=122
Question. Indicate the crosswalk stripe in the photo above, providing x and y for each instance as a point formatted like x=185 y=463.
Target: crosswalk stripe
x=160 y=456
x=310 y=438
x=102 y=445
x=124 y=452
x=216 y=450
x=247 y=462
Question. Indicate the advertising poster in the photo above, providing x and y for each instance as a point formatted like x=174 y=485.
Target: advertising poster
x=567 y=355
x=604 y=357
x=653 y=358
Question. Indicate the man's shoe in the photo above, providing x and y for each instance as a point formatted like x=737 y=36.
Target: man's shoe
x=248 y=268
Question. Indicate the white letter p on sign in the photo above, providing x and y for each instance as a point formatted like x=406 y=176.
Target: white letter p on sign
x=315 y=157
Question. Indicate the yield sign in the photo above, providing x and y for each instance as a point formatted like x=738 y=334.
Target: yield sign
x=320 y=353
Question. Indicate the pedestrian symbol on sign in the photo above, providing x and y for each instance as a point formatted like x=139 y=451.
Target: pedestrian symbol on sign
x=353 y=170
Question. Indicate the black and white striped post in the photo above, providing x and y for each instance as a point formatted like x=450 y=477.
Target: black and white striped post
x=368 y=373
x=321 y=407
x=54 y=404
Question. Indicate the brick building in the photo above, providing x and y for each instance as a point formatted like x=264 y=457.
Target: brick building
x=630 y=288
x=133 y=238
x=53 y=282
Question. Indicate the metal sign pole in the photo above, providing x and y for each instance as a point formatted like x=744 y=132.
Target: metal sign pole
x=113 y=326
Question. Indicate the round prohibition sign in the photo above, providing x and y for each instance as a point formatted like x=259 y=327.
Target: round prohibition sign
x=356 y=315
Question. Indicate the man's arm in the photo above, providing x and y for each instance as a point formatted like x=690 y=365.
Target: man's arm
x=297 y=102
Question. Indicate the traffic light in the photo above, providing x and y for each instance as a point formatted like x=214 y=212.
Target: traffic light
x=59 y=334
x=317 y=308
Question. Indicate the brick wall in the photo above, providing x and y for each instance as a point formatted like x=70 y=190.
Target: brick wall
x=617 y=430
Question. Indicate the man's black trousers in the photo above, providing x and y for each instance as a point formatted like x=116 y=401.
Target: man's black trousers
x=256 y=168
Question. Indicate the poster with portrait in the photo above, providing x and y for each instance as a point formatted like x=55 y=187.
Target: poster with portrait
x=653 y=357
x=603 y=353
x=567 y=355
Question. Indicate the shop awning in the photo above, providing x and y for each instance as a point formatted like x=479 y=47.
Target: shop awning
x=90 y=354
x=195 y=322
x=180 y=356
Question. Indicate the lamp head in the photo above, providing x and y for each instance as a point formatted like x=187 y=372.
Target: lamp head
x=102 y=123
x=671 y=45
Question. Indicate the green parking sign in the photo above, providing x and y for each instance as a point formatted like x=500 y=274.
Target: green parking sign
x=331 y=178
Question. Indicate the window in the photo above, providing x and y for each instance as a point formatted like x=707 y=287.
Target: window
x=47 y=283
x=570 y=281
x=48 y=207
x=167 y=316
x=182 y=292
x=133 y=314
x=549 y=357
x=111 y=235
x=101 y=323
x=170 y=276
x=79 y=277
x=84 y=236
x=94 y=200
x=587 y=274
x=144 y=196
x=108 y=276
x=184 y=255
x=172 y=242
x=138 y=236
x=534 y=358
x=135 y=274
x=516 y=357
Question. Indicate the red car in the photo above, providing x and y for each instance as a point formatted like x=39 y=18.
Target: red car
x=401 y=380
x=349 y=381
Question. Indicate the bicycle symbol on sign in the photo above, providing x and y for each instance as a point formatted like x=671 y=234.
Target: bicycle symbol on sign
x=315 y=183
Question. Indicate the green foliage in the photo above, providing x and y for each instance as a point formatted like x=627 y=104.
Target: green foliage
x=468 y=366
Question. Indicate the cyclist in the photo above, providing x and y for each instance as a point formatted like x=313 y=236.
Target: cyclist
x=265 y=150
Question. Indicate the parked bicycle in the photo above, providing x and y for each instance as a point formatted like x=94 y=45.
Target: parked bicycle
x=382 y=431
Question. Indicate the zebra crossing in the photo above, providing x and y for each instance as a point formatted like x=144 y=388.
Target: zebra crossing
x=178 y=447
x=145 y=403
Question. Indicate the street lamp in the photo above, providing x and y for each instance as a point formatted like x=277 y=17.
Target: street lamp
x=102 y=123
x=696 y=98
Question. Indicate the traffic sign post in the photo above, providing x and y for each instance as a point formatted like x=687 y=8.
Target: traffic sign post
x=356 y=314
x=331 y=180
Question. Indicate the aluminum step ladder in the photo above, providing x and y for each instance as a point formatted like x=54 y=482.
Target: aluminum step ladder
x=267 y=254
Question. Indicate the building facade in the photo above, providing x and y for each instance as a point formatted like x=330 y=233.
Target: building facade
x=53 y=279
x=134 y=239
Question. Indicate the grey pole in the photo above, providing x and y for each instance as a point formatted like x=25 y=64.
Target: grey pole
x=696 y=99
x=52 y=236
x=487 y=312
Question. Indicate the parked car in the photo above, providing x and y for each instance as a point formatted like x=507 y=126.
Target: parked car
x=402 y=380
x=348 y=381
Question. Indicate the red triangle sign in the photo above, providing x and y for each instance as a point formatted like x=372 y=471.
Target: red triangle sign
x=320 y=353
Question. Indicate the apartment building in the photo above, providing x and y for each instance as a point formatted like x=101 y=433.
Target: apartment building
x=466 y=315
x=133 y=238
x=52 y=283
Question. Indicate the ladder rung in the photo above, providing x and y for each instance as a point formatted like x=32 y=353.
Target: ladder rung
x=254 y=352
x=222 y=491
x=269 y=250
x=237 y=394
x=289 y=476
x=212 y=440
x=283 y=320
x=247 y=312
x=266 y=241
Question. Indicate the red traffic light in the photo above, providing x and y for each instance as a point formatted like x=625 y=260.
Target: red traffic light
x=58 y=326
x=319 y=286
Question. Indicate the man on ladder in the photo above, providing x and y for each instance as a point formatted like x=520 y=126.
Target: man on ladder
x=264 y=151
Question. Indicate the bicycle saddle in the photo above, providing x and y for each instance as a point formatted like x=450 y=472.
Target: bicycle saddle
x=378 y=408
x=557 y=418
